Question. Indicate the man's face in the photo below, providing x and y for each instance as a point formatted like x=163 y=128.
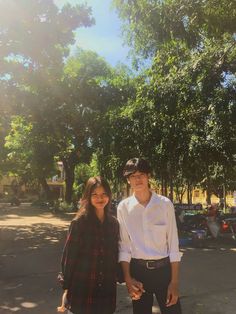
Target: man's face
x=138 y=181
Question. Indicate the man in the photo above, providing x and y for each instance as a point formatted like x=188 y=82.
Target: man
x=149 y=250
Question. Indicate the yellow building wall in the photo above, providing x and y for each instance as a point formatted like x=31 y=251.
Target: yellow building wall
x=199 y=196
x=6 y=183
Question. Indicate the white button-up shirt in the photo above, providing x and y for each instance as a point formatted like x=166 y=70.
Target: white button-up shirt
x=148 y=232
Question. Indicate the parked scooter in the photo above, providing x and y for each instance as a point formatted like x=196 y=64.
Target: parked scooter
x=15 y=201
x=195 y=226
x=228 y=227
x=203 y=227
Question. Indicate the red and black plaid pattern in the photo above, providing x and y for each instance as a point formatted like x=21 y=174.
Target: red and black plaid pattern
x=89 y=264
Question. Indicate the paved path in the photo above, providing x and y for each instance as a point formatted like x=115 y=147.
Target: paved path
x=30 y=248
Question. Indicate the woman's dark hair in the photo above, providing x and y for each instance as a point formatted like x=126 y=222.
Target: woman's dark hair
x=86 y=208
x=136 y=164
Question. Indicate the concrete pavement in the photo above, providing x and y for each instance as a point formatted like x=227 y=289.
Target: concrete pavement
x=30 y=248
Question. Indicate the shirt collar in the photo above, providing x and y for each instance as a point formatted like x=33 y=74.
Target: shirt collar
x=134 y=202
x=154 y=198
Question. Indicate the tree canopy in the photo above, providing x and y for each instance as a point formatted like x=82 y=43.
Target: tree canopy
x=179 y=111
x=184 y=112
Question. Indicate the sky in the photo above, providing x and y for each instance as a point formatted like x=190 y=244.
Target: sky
x=105 y=36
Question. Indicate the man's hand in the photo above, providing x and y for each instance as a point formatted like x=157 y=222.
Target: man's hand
x=135 y=288
x=172 y=294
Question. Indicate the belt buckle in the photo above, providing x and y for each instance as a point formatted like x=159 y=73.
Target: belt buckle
x=148 y=266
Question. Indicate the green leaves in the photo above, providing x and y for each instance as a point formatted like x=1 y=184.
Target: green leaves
x=179 y=112
x=187 y=96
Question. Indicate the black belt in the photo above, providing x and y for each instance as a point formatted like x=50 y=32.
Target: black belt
x=152 y=264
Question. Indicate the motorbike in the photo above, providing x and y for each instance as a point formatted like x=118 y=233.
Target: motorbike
x=228 y=227
x=15 y=201
x=195 y=227
x=223 y=227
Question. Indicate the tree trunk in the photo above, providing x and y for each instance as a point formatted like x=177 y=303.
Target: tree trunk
x=189 y=193
x=179 y=194
x=69 y=167
x=208 y=195
x=171 y=195
x=208 y=188
x=46 y=188
x=165 y=188
x=162 y=185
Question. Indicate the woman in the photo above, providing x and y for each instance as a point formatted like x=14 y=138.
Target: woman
x=90 y=255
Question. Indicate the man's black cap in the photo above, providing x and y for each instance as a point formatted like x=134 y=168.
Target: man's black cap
x=136 y=164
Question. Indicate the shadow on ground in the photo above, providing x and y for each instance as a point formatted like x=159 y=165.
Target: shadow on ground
x=31 y=242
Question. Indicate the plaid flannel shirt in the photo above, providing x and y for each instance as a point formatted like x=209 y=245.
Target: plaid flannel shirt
x=89 y=264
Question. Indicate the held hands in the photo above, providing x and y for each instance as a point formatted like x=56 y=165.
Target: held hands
x=62 y=308
x=172 y=294
x=135 y=288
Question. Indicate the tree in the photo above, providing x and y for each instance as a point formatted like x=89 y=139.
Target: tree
x=35 y=38
x=85 y=80
x=30 y=155
x=190 y=86
x=147 y=25
x=114 y=139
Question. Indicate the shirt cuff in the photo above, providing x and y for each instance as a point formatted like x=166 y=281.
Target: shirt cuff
x=175 y=257
x=124 y=257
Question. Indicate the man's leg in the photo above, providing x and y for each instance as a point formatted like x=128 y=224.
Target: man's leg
x=144 y=304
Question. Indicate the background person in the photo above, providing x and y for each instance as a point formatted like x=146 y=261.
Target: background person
x=149 y=251
x=90 y=255
x=212 y=220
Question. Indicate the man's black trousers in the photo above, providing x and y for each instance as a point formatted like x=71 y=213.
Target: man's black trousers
x=156 y=283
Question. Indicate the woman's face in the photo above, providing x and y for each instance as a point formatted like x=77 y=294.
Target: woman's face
x=99 y=198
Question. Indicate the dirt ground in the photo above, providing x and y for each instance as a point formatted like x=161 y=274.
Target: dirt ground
x=31 y=242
